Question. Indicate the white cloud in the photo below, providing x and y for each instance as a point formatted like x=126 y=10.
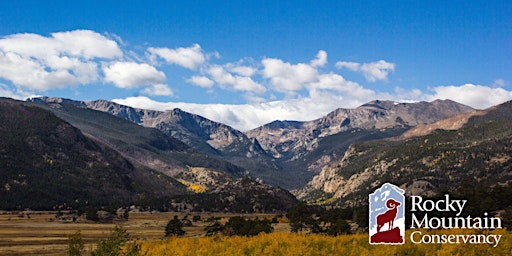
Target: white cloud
x=242 y=70
x=201 y=81
x=190 y=57
x=321 y=59
x=32 y=63
x=337 y=83
x=373 y=71
x=84 y=44
x=286 y=77
x=132 y=75
x=235 y=82
x=354 y=66
x=64 y=59
x=18 y=94
x=249 y=116
x=476 y=96
x=87 y=44
x=158 y=90
x=499 y=82
x=34 y=75
x=320 y=102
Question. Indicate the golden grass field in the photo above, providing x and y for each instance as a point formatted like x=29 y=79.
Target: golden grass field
x=32 y=233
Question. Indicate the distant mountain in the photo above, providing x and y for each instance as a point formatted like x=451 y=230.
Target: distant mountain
x=283 y=153
x=212 y=138
x=306 y=147
x=60 y=153
x=147 y=146
x=477 y=151
x=290 y=140
x=45 y=163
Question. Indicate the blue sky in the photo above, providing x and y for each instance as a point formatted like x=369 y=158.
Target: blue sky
x=248 y=63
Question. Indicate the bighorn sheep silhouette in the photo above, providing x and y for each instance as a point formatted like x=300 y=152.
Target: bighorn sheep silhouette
x=389 y=216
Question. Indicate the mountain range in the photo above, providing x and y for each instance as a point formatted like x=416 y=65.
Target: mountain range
x=283 y=149
x=336 y=158
x=120 y=163
x=472 y=149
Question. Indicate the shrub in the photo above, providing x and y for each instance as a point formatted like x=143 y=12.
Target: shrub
x=174 y=227
x=75 y=244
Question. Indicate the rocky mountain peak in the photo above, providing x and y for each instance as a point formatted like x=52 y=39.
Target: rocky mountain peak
x=290 y=138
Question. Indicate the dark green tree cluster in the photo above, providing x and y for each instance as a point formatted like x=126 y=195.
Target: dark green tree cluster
x=174 y=227
x=239 y=226
x=317 y=219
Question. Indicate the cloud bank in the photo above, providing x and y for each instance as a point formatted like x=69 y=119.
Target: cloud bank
x=273 y=88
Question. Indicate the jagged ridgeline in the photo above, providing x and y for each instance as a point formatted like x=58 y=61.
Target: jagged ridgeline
x=63 y=154
x=283 y=153
x=478 y=154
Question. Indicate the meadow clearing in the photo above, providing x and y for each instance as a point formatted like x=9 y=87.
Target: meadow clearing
x=39 y=233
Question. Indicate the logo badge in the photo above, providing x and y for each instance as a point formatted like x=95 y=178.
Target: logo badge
x=387 y=211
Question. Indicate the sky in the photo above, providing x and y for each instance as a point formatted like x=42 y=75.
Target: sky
x=247 y=63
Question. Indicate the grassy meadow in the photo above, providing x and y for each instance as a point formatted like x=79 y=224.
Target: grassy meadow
x=279 y=243
x=40 y=233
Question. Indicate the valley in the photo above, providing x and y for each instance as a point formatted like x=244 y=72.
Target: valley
x=42 y=233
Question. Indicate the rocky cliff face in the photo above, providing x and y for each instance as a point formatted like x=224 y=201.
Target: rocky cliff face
x=283 y=149
x=475 y=152
x=306 y=147
x=290 y=140
x=192 y=129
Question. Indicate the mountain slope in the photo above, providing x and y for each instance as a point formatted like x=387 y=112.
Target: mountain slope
x=46 y=162
x=283 y=149
x=220 y=192
x=215 y=139
x=304 y=148
x=479 y=153
x=290 y=140
x=146 y=146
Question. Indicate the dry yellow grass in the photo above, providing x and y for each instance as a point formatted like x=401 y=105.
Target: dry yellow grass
x=31 y=233
x=279 y=243
x=39 y=236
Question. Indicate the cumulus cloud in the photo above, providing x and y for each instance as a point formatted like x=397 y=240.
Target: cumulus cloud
x=63 y=59
x=373 y=71
x=241 y=70
x=32 y=63
x=287 y=77
x=321 y=59
x=236 y=115
x=317 y=104
x=87 y=44
x=190 y=57
x=354 y=66
x=78 y=43
x=201 y=81
x=158 y=90
x=235 y=82
x=320 y=102
x=131 y=74
x=477 y=96
x=341 y=86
